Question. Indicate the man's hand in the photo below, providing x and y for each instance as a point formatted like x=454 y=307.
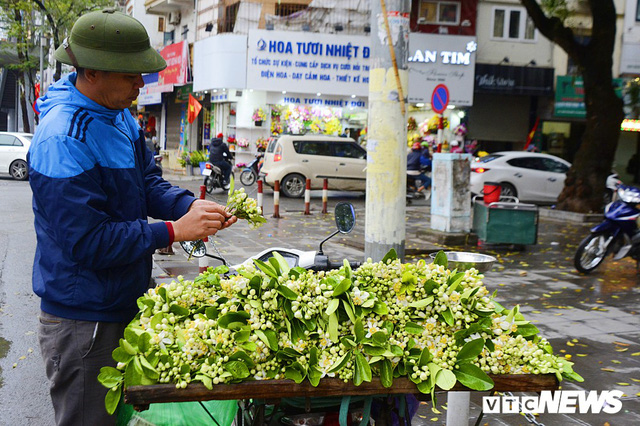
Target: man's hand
x=204 y=218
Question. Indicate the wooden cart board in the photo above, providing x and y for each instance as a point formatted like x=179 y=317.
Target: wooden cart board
x=141 y=396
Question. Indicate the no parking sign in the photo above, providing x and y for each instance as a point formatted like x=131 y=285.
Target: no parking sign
x=440 y=98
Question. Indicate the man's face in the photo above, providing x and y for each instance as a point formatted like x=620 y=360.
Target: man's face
x=117 y=90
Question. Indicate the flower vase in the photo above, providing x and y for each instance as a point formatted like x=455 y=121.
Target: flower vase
x=258 y=123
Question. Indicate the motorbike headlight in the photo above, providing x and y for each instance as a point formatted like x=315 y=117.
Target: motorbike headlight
x=629 y=194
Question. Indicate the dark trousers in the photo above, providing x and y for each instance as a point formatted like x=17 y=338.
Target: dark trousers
x=226 y=169
x=73 y=353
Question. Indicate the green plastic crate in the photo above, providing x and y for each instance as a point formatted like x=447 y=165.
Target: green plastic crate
x=505 y=223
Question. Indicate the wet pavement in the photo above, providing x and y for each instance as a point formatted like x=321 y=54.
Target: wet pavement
x=591 y=319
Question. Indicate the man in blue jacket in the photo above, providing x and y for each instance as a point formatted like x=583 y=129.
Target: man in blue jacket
x=94 y=186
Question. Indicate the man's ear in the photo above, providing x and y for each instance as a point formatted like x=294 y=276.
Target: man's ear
x=90 y=75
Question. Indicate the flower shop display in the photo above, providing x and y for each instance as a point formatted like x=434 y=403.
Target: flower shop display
x=412 y=124
x=388 y=319
x=430 y=125
x=243 y=142
x=258 y=116
x=460 y=130
x=261 y=144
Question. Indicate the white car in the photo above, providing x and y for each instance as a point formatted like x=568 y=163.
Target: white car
x=291 y=159
x=13 y=154
x=531 y=177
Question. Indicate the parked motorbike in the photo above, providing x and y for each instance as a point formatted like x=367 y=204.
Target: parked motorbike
x=612 y=184
x=345 y=217
x=618 y=234
x=213 y=178
x=249 y=174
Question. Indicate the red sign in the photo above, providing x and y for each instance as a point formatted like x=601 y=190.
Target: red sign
x=177 y=64
x=440 y=98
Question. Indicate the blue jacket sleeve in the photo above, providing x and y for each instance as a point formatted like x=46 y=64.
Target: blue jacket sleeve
x=164 y=201
x=71 y=208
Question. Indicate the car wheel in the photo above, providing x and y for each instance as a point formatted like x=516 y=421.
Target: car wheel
x=292 y=185
x=508 y=190
x=19 y=170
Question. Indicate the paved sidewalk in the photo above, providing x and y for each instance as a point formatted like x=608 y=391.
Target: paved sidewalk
x=592 y=319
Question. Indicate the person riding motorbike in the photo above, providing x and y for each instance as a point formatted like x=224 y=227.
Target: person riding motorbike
x=219 y=156
x=415 y=164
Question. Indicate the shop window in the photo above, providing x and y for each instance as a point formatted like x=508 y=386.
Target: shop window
x=286 y=9
x=512 y=23
x=638 y=11
x=169 y=37
x=439 y=12
x=229 y=21
x=161 y=24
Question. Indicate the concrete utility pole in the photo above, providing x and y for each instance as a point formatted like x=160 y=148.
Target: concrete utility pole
x=387 y=129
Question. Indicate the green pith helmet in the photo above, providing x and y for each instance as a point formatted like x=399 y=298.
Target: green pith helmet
x=108 y=40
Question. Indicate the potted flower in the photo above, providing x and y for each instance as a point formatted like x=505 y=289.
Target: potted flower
x=243 y=142
x=259 y=116
x=261 y=144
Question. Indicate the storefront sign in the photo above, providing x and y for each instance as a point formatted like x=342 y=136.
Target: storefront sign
x=220 y=62
x=319 y=101
x=629 y=125
x=441 y=59
x=508 y=80
x=308 y=63
x=148 y=95
x=570 y=96
x=183 y=92
x=177 y=64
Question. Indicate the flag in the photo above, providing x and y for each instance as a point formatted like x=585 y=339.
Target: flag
x=36 y=95
x=194 y=109
x=532 y=134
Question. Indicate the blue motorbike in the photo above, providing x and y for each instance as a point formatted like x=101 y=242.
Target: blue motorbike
x=618 y=234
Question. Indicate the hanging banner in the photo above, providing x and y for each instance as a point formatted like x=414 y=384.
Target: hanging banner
x=177 y=64
x=308 y=62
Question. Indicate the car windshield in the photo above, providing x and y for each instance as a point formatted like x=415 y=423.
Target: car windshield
x=487 y=158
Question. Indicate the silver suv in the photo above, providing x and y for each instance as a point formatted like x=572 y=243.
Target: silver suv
x=292 y=159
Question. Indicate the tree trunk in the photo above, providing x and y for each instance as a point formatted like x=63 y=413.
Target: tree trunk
x=585 y=184
x=23 y=103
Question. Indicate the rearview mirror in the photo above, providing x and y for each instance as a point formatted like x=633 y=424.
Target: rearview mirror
x=195 y=248
x=345 y=217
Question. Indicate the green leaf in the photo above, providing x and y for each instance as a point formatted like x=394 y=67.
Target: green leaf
x=448 y=316
x=206 y=381
x=473 y=377
x=211 y=312
x=148 y=370
x=241 y=336
x=358 y=329
x=143 y=342
x=110 y=377
x=379 y=338
x=386 y=373
x=162 y=292
x=112 y=399
x=413 y=328
x=293 y=374
x=267 y=269
x=455 y=281
x=340 y=362
x=527 y=330
x=249 y=346
x=445 y=379
x=131 y=336
x=374 y=350
x=269 y=337
x=332 y=306
x=120 y=355
x=422 y=303
x=233 y=317
x=380 y=308
x=126 y=346
x=237 y=369
x=131 y=375
x=179 y=310
x=313 y=356
x=243 y=357
x=471 y=350
x=348 y=308
x=333 y=327
x=430 y=285
x=362 y=371
x=348 y=343
x=425 y=357
x=287 y=292
x=424 y=387
x=441 y=259
x=275 y=265
x=342 y=287
x=284 y=266
x=391 y=255
x=314 y=376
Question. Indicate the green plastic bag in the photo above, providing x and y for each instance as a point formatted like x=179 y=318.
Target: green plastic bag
x=179 y=414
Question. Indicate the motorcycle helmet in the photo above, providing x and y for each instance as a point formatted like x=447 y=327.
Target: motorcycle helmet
x=109 y=40
x=416 y=146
